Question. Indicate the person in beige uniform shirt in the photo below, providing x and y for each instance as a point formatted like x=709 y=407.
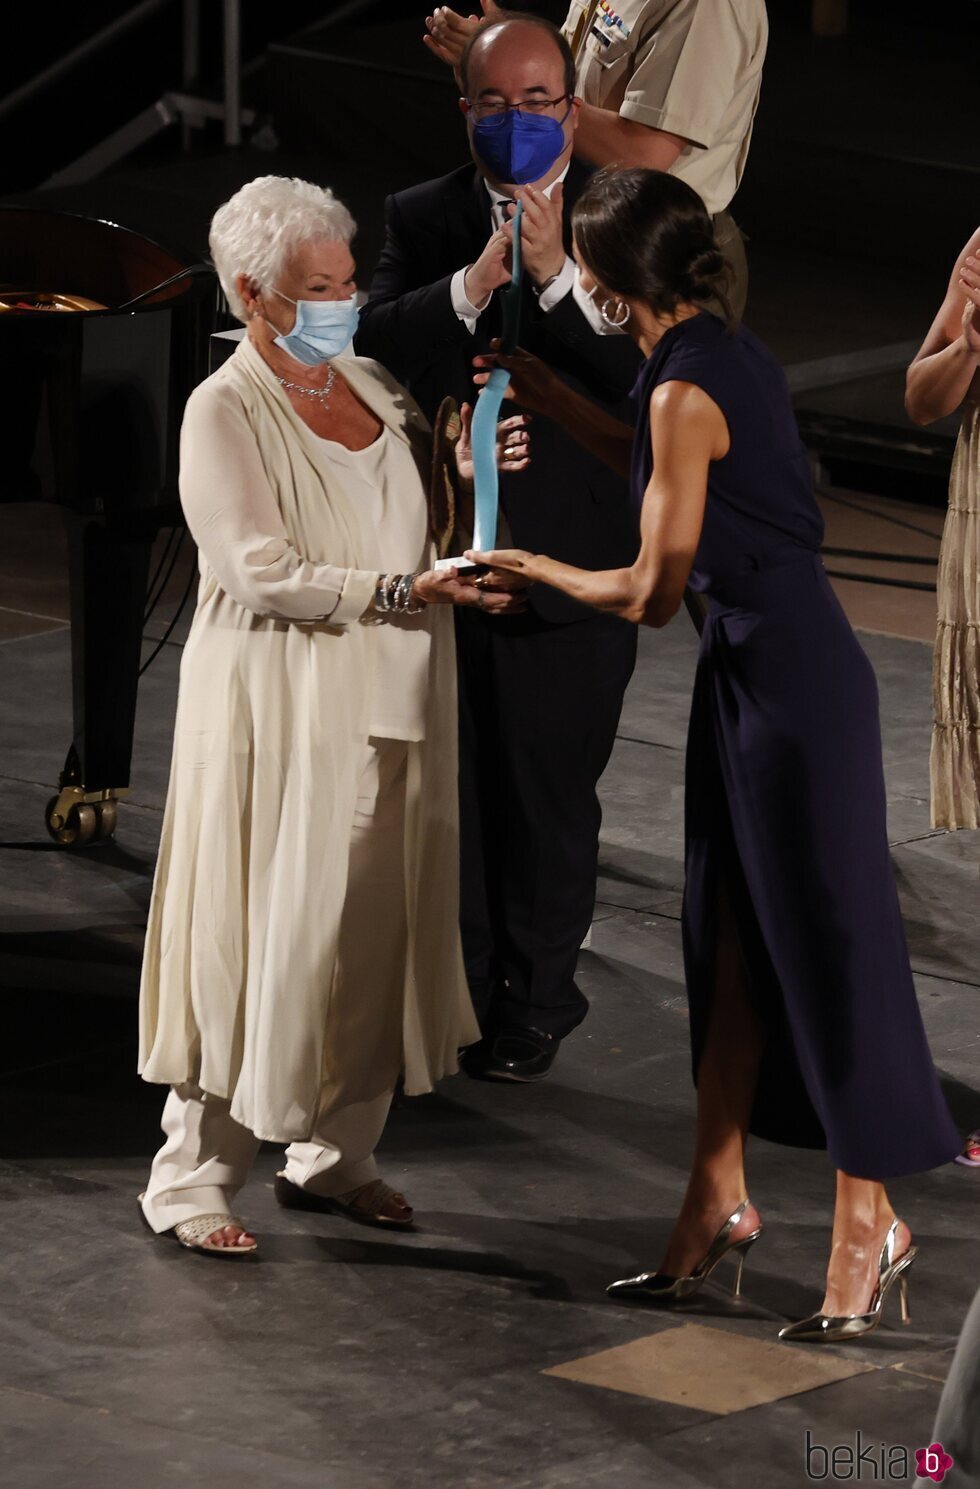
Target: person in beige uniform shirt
x=672 y=85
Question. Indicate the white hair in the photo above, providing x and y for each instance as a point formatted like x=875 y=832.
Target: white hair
x=264 y=223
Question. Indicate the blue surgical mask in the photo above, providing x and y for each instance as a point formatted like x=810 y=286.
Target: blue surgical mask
x=323 y=329
x=517 y=148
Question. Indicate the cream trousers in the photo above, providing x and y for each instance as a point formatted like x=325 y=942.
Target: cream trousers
x=206 y=1155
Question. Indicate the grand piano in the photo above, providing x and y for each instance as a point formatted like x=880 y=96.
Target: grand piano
x=103 y=335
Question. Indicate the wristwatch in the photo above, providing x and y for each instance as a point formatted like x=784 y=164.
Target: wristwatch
x=539 y=289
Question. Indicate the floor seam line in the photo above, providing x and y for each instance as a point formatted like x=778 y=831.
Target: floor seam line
x=32 y=635
x=33 y=614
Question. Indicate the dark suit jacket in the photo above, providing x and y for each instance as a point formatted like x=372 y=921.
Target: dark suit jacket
x=567 y=504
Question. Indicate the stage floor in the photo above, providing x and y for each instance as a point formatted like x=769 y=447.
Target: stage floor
x=480 y=1352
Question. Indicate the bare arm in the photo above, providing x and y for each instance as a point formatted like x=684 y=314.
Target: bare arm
x=606 y=138
x=946 y=364
x=687 y=431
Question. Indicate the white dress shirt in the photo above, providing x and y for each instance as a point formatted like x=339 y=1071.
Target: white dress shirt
x=565 y=282
x=377 y=480
x=468 y=313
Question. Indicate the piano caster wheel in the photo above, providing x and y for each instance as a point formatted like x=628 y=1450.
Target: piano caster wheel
x=78 y=826
x=105 y=812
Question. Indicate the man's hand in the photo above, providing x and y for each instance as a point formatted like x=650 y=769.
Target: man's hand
x=542 y=242
x=491 y=270
x=449 y=32
x=513 y=444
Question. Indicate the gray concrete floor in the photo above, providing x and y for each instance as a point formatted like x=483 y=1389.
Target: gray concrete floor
x=346 y=1359
x=481 y=1352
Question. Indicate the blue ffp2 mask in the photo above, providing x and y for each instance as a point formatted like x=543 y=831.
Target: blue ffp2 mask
x=517 y=148
x=323 y=329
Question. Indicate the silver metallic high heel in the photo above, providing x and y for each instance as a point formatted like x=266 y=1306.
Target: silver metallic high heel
x=823 y=1328
x=659 y=1287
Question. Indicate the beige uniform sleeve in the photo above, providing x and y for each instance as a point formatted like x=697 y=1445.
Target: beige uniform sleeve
x=235 y=521
x=686 y=71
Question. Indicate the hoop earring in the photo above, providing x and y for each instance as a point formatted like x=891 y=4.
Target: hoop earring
x=620 y=319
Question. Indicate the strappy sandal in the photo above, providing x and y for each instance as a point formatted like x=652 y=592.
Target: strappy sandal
x=194 y=1233
x=364 y=1204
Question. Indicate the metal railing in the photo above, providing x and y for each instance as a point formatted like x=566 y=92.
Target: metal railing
x=173 y=107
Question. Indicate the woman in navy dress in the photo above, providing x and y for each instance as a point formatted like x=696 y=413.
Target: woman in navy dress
x=804 y=1021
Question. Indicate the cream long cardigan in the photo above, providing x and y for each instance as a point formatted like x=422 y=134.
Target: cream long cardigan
x=271 y=722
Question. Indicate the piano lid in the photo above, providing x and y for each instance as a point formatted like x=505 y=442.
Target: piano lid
x=75 y=258
x=100 y=347
x=24 y=299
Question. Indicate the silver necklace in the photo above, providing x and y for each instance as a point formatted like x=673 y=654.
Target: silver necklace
x=322 y=393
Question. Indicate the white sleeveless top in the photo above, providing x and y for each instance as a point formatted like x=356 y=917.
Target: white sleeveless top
x=376 y=481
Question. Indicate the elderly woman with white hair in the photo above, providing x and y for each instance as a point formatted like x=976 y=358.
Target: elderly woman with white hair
x=303 y=945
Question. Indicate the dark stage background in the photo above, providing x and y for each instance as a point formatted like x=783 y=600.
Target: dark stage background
x=480 y=1353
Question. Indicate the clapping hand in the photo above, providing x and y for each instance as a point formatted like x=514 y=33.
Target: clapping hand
x=492 y=269
x=513 y=444
x=970 y=285
x=542 y=231
x=449 y=32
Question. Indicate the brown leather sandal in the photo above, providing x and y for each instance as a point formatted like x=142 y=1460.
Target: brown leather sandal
x=364 y=1204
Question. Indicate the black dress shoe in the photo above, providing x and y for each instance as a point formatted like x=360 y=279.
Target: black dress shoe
x=511 y=1055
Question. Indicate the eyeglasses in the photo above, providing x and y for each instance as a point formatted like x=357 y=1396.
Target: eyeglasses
x=534 y=106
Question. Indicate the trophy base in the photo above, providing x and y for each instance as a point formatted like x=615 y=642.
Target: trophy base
x=463 y=566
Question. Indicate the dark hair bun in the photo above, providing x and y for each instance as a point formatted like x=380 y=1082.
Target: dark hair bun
x=703 y=273
x=646 y=235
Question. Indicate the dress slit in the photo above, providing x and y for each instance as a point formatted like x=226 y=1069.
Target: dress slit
x=785 y=795
x=714 y=865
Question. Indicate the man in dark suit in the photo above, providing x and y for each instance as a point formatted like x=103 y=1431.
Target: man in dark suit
x=540 y=693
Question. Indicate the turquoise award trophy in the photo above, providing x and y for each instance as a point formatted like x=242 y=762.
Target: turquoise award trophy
x=485 y=416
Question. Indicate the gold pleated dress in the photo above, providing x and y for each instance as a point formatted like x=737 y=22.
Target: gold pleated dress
x=955 y=757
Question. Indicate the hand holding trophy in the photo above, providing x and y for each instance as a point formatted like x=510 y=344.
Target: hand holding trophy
x=484 y=433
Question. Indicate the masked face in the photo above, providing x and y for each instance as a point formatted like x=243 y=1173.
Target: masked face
x=519 y=111
x=517 y=147
x=323 y=329
x=606 y=315
x=317 y=278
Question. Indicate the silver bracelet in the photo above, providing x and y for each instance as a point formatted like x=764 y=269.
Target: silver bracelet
x=393 y=595
x=382 y=596
x=417 y=605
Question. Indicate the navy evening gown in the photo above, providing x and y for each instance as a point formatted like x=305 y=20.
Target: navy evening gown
x=785 y=797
